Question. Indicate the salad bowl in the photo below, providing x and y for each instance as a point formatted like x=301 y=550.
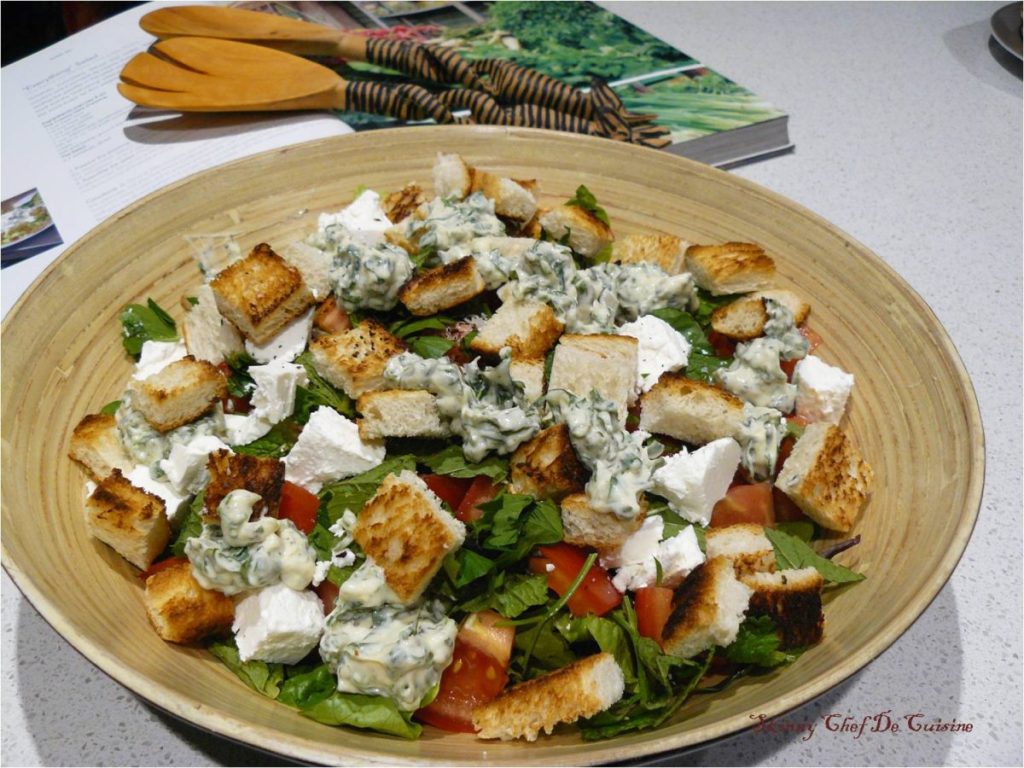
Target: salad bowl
x=913 y=416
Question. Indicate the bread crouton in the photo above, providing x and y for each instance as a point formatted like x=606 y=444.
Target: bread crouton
x=233 y=471
x=745 y=318
x=689 y=410
x=585 y=526
x=603 y=362
x=330 y=318
x=128 y=519
x=179 y=393
x=588 y=235
x=792 y=598
x=744 y=544
x=354 y=360
x=530 y=373
x=400 y=413
x=511 y=199
x=313 y=264
x=181 y=610
x=707 y=609
x=531 y=229
x=546 y=466
x=96 y=445
x=799 y=308
x=730 y=267
x=582 y=689
x=261 y=294
x=435 y=290
x=208 y=336
x=529 y=328
x=453 y=177
x=826 y=477
x=407 y=533
x=401 y=204
x=665 y=251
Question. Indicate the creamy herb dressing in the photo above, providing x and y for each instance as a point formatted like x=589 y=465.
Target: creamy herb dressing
x=366 y=587
x=760 y=435
x=237 y=555
x=370 y=276
x=781 y=325
x=389 y=650
x=149 y=446
x=496 y=257
x=446 y=223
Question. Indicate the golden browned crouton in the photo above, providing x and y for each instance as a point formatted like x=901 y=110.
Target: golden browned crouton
x=401 y=204
x=95 y=444
x=745 y=318
x=435 y=290
x=233 y=471
x=665 y=251
x=546 y=466
x=407 y=533
x=707 y=609
x=354 y=360
x=529 y=328
x=179 y=393
x=588 y=235
x=585 y=526
x=530 y=373
x=730 y=267
x=181 y=610
x=261 y=294
x=400 y=413
x=792 y=598
x=603 y=362
x=689 y=410
x=208 y=335
x=128 y=519
x=744 y=544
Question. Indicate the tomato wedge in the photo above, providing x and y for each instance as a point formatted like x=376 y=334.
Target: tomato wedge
x=298 y=505
x=481 y=490
x=745 y=504
x=451 y=490
x=653 y=607
x=167 y=562
x=596 y=594
x=473 y=678
x=327 y=591
x=723 y=345
x=481 y=630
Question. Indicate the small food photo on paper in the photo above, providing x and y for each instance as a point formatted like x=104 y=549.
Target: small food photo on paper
x=27 y=228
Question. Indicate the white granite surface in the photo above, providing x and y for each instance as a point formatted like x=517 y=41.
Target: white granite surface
x=908 y=131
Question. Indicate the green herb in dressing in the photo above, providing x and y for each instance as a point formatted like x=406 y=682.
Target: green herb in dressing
x=148 y=447
x=781 y=325
x=446 y=223
x=366 y=588
x=496 y=257
x=760 y=436
x=389 y=650
x=756 y=377
x=370 y=276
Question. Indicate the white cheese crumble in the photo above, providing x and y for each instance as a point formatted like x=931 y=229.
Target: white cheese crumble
x=278 y=624
x=329 y=448
x=639 y=557
x=157 y=355
x=185 y=467
x=821 y=390
x=363 y=219
x=693 y=482
x=661 y=349
x=287 y=345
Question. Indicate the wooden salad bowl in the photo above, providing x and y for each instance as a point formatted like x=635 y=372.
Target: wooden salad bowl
x=913 y=415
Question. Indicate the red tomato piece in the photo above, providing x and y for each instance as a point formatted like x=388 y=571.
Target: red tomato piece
x=596 y=594
x=745 y=504
x=786 y=510
x=812 y=336
x=473 y=678
x=480 y=491
x=723 y=345
x=459 y=356
x=481 y=630
x=298 y=505
x=451 y=490
x=327 y=591
x=167 y=562
x=653 y=607
x=230 y=403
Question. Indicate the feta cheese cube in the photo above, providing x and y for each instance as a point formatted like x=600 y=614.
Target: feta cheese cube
x=693 y=482
x=242 y=429
x=639 y=546
x=640 y=556
x=821 y=390
x=661 y=348
x=278 y=624
x=329 y=448
x=679 y=555
x=157 y=355
x=274 y=396
x=287 y=345
x=185 y=467
x=364 y=219
x=174 y=502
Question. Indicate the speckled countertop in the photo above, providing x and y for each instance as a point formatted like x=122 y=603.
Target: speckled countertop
x=907 y=122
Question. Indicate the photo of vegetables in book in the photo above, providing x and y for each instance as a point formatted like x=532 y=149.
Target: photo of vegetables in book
x=430 y=467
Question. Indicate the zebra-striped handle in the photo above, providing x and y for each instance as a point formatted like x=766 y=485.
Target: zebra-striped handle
x=405 y=101
x=482 y=105
x=424 y=61
x=514 y=84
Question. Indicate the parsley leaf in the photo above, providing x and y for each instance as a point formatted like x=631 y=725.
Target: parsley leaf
x=585 y=199
x=703 y=367
x=110 y=408
x=791 y=552
x=191 y=526
x=430 y=346
x=140 y=324
x=318 y=392
x=452 y=462
x=757 y=643
x=510 y=595
x=407 y=327
x=354 y=492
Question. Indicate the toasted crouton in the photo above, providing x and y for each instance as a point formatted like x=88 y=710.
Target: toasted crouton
x=603 y=362
x=95 y=444
x=730 y=267
x=208 y=336
x=443 y=287
x=529 y=328
x=689 y=410
x=178 y=393
x=588 y=235
x=799 y=308
x=313 y=264
x=330 y=318
x=665 y=251
x=546 y=466
x=355 y=360
x=407 y=533
x=589 y=527
x=745 y=318
x=181 y=610
x=708 y=608
x=261 y=294
x=453 y=177
x=530 y=373
x=511 y=199
x=400 y=413
x=401 y=204
x=744 y=544
x=233 y=471
x=531 y=228
x=826 y=477
x=128 y=519
x=582 y=689
x=792 y=598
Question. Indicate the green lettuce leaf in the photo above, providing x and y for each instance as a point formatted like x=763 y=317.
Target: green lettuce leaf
x=452 y=462
x=757 y=643
x=275 y=444
x=258 y=675
x=585 y=199
x=430 y=346
x=308 y=689
x=702 y=367
x=687 y=325
x=354 y=492
x=110 y=408
x=191 y=526
x=374 y=713
x=142 y=323
x=510 y=595
x=318 y=392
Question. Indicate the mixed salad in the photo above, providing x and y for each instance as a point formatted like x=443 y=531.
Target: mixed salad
x=318 y=624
